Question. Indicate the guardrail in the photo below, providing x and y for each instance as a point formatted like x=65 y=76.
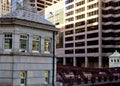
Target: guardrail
x=77 y=76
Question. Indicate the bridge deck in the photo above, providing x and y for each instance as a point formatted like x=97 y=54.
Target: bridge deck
x=76 y=76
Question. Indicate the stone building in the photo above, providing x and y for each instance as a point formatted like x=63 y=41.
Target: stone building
x=114 y=59
x=27 y=49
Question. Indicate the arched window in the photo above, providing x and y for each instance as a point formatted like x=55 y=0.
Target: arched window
x=8 y=41
x=111 y=60
x=117 y=60
x=23 y=78
x=23 y=42
x=114 y=60
x=36 y=43
x=47 y=45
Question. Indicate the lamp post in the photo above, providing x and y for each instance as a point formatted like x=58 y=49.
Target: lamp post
x=53 y=61
x=53 y=73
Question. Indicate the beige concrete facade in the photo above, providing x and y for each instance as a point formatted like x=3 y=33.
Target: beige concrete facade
x=42 y=4
x=55 y=14
x=5 y=7
x=90 y=32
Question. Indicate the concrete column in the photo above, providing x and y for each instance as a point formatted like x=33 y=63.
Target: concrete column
x=30 y=43
x=100 y=61
x=64 y=61
x=86 y=61
x=74 y=61
x=1 y=40
x=86 y=58
x=42 y=45
x=16 y=42
x=51 y=46
x=100 y=34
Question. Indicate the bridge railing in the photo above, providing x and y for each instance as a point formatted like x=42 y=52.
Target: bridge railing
x=70 y=75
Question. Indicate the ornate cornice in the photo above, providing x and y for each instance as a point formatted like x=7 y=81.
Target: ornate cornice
x=27 y=23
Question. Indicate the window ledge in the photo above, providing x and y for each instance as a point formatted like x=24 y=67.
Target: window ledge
x=22 y=50
x=46 y=52
x=35 y=51
x=27 y=54
x=7 y=50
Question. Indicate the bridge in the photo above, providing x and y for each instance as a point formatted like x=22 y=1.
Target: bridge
x=77 y=76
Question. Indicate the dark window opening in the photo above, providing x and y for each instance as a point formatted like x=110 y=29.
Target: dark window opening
x=69 y=51
x=92 y=50
x=80 y=23
x=108 y=50
x=78 y=44
x=92 y=20
x=69 y=39
x=69 y=61
x=79 y=37
x=79 y=30
x=68 y=26
x=59 y=60
x=77 y=51
x=91 y=28
x=69 y=32
x=68 y=1
x=95 y=42
x=68 y=45
x=108 y=42
x=92 y=35
x=108 y=34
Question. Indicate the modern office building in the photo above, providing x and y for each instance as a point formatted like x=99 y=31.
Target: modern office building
x=56 y=16
x=42 y=4
x=5 y=7
x=27 y=49
x=91 y=32
x=39 y=4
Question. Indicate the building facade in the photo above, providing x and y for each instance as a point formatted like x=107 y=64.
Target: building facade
x=42 y=4
x=56 y=16
x=39 y=4
x=27 y=49
x=5 y=7
x=114 y=60
x=91 y=29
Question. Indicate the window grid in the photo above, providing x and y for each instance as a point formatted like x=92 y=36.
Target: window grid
x=23 y=42
x=36 y=43
x=8 y=40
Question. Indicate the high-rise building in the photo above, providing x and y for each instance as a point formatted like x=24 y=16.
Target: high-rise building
x=91 y=32
x=56 y=16
x=5 y=7
x=41 y=4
